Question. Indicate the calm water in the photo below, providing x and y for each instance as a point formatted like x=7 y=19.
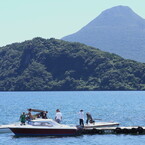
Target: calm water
x=127 y=108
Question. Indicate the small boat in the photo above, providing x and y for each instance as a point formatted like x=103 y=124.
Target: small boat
x=44 y=127
x=101 y=124
x=4 y=129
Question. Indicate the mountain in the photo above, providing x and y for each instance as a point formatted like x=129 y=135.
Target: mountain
x=56 y=65
x=117 y=30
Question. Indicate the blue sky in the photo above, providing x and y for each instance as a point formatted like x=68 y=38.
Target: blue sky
x=22 y=20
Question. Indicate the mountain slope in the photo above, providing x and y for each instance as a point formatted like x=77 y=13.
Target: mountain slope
x=117 y=30
x=50 y=64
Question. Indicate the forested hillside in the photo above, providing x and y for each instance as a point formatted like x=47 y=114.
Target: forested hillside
x=56 y=65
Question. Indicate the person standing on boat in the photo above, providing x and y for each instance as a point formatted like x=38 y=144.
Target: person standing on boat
x=89 y=118
x=23 y=118
x=81 y=117
x=29 y=116
x=58 y=116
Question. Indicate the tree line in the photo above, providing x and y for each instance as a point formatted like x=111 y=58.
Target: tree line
x=56 y=65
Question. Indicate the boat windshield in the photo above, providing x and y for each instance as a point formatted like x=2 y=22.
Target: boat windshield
x=49 y=123
x=42 y=124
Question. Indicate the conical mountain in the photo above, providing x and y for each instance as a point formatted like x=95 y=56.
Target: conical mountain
x=117 y=30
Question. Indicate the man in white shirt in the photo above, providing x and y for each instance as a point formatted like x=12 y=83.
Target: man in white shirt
x=58 y=116
x=81 y=117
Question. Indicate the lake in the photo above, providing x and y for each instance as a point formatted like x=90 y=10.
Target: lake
x=125 y=107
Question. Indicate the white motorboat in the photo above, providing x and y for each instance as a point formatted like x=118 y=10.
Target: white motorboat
x=43 y=127
x=101 y=124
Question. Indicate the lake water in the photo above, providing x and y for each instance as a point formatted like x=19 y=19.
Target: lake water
x=127 y=108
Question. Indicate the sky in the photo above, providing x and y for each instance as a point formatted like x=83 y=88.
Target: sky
x=22 y=20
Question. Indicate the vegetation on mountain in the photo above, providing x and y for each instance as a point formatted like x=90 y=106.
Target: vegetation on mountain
x=56 y=65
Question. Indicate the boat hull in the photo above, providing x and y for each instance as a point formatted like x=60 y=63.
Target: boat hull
x=43 y=132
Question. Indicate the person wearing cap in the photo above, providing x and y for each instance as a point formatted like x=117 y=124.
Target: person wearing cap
x=58 y=116
x=81 y=118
